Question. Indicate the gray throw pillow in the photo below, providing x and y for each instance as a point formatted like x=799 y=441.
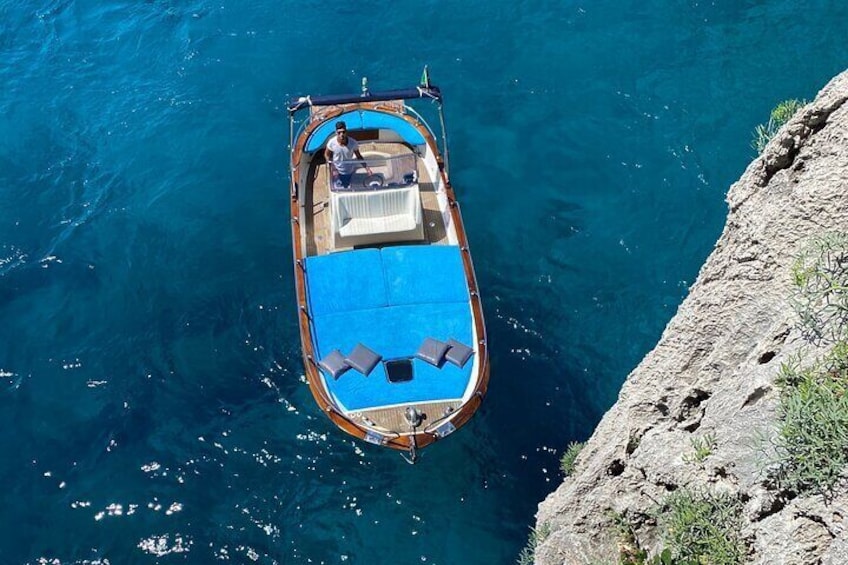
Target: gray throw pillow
x=432 y=351
x=459 y=353
x=363 y=359
x=334 y=363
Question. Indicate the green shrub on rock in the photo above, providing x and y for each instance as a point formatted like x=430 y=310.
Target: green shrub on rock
x=812 y=439
x=820 y=277
x=703 y=527
x=811 y=444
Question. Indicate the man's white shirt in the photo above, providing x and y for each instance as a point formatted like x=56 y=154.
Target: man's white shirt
x=344 y=156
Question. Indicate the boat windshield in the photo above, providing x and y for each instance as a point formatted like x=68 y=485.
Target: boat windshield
x=378 y=171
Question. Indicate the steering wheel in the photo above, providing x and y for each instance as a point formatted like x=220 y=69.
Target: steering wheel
x=373 y=181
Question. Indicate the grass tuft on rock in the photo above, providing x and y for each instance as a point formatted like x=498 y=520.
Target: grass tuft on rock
x=536 y=537
x=566 y=463
x=702 y=448
x=780 y=114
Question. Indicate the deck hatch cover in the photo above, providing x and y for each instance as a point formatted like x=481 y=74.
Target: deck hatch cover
x=399 y=370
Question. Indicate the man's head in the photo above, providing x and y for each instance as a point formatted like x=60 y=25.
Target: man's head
x=341 y=130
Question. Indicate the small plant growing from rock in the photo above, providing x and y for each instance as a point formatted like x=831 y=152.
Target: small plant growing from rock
x=703 y=448
x=780 y=114
x=820 y=278
x=630 y=552
x=566 y=463
x=537 y=536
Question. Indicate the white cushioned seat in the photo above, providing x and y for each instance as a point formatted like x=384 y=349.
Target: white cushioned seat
x=359 y=218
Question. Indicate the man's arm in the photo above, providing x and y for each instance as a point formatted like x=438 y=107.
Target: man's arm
x=328 y=156
x=361 y=158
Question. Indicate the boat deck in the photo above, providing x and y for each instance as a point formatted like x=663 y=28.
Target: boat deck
x=393 y=420
x=318 y=237
x=319 y=241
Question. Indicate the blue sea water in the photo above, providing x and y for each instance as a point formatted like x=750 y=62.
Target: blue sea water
x=152 y=401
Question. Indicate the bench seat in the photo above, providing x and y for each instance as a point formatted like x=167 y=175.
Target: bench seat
x=379 y=216
x=382 y=224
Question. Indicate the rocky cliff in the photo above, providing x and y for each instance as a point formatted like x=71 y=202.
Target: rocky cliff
x=712 y=375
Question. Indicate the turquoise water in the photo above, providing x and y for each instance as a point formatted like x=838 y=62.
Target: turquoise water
x=151 y=389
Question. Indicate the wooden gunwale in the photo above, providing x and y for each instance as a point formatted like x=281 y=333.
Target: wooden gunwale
x=420 y=438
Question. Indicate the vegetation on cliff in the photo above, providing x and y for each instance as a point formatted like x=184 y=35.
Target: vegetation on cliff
x=741 y=411
x=567 y=462
x=780 y=114
x=820 y=276
x=812 y=439
x=700 y=527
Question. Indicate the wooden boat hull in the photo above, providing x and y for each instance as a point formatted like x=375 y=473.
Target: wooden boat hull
x=306 y=165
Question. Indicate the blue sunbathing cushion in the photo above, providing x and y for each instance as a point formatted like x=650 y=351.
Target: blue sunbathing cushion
x=334 y=364
x=459 y=353
x=363 y=359
x=424 y=274
x=345 y=281
x=432 y=351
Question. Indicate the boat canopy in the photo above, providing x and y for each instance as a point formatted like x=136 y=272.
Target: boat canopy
x=431 y=92
x=361 y=120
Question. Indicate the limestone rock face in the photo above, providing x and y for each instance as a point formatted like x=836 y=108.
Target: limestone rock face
x=712 y=373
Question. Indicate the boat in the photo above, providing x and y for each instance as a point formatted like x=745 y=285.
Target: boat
x=391 y=324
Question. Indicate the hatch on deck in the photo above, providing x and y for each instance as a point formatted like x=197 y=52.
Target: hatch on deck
x=399 y=370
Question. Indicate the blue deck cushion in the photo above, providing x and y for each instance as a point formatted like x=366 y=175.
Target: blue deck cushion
x=334 y=364
x=391 y=299
x=395 y=332
x=419 y=274
x=363 y=359
x=361 y=120
x=432 y=351
x=345 y=281
x=459 y=353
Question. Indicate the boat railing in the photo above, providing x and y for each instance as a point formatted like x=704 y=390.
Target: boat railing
x=445 y=150
x=377 y=171
x=421 y=119
x=323 y=113
x=297 y=127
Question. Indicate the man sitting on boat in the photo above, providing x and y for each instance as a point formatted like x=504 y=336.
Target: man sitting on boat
x=343 y=156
